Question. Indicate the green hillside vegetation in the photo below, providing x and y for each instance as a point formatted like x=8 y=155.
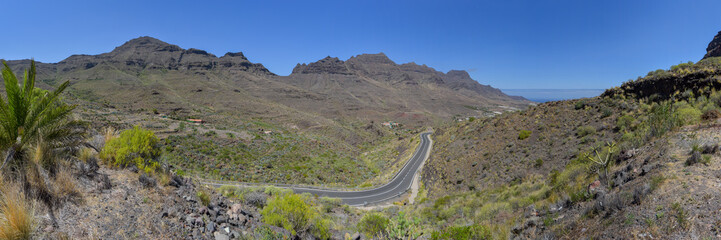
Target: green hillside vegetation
x=285 y=157
x=615 y=125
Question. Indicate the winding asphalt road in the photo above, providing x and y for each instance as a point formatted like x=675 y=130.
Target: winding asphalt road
x=400 y=183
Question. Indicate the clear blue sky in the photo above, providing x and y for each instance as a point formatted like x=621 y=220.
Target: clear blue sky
x=507 y=44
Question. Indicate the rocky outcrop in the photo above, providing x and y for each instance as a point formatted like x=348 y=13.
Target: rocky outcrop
x=151 y=53
x=326 y=65
x=714 y=47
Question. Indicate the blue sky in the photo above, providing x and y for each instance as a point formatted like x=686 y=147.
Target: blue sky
x=507 y=44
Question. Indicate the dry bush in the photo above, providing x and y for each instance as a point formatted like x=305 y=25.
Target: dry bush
x=16 y=213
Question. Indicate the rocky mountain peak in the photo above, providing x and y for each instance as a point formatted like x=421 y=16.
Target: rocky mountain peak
x=235 y=54
x=378 y=58
x=146 y=44
x=199 y=52
x=714 y=47
x=329 y=65
x=460 y=74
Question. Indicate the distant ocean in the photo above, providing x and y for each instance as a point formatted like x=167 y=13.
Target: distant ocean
x=547 y=95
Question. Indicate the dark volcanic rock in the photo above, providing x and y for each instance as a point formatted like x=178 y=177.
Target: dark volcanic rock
x=714 y=47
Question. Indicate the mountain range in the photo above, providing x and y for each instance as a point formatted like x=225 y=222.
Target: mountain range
x=146 y=73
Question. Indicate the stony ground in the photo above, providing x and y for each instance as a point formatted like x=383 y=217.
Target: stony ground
x=126 y=209
x=655 y=195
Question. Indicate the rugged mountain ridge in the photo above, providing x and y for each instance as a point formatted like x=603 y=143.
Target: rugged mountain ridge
x=151 y=53
x=714 y=47
x=146 y=73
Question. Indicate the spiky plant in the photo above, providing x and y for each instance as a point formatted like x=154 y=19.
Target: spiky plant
x=29 y=114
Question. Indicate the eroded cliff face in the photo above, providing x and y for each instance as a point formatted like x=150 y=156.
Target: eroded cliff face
x=714 y=47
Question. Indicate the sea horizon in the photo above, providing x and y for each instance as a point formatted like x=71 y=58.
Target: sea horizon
x=549 y=95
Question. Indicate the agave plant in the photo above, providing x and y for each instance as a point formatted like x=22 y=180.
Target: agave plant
x=36 y=129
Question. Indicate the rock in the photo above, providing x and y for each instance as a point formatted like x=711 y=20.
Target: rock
x=355 y=236
x=210 y=227
x=220 y=236
x=202 y=210
x=517 y=229
x=147 y=181
x=647 y=169
x=694 y=158
x=640 y=192
x=213 y=214
x=199 y=222
x=532 y=222
x=236 y=208
x=190 y=219
x=709 y=149
x=531 y=211
x=103 y=182
x=221 y=219
x=176 y=181
x=714 y=47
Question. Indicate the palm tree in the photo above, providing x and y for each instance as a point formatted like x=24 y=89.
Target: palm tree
x=35 y=130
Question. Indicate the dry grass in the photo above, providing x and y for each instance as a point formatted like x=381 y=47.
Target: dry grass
x=86 y=154
x=16 y=213
x=109 y=133
x=65 y=187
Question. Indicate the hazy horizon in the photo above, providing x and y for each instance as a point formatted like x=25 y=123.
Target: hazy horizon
x=546 y=95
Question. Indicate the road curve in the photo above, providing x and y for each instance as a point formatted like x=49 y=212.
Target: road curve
x=400 y=183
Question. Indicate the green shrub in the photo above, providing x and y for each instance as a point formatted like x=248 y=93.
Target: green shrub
x=289 y=211
x=401 y=227
x=320 y=227
x=606 y=112
x=662 y=119
x=229 y=191
x=266 y=233
x=204 y=197
x=585 y=131
x=373 y=225
x=524 y=134
x=688 y=115
x=680 y=215
x=133 y=146
x=539 y=163
x=329 y=203
x=463 y=232
x=624 y=122
x=580 y=104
